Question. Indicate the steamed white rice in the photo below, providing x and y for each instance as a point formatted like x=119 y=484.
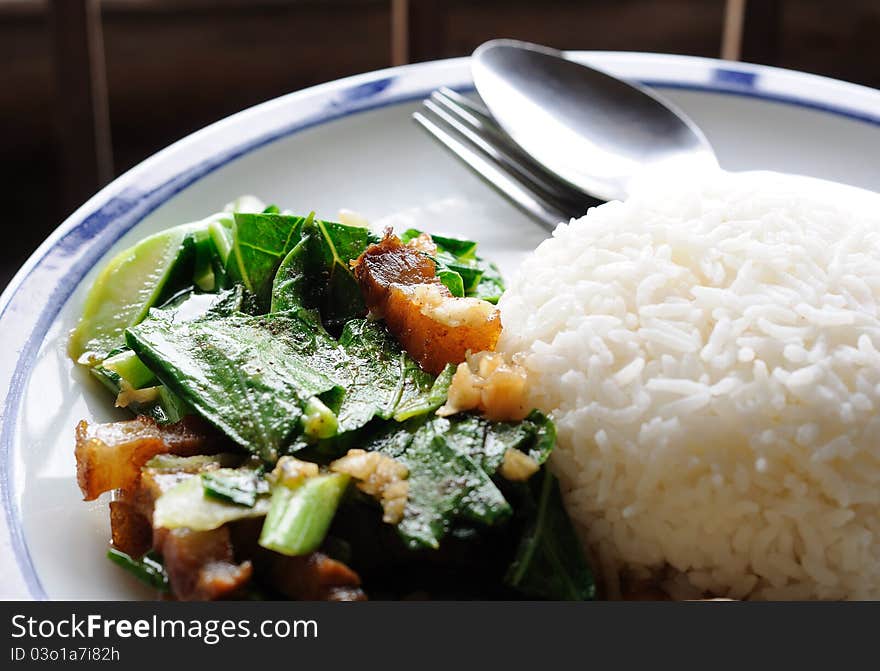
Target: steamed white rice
x=711 y=354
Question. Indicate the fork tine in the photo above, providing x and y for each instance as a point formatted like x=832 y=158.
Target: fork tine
x=473 y=106
x=492 y=140
x=545 y=211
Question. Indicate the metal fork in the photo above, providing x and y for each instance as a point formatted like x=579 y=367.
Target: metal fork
x=467 y=129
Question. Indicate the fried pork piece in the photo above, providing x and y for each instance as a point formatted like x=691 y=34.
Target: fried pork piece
x=131 y=511
x=130 y=530
x=399 y=284
x=314 y=577
x=217 y=564
x=201 y=565
x=110 y=456
x=311 y=577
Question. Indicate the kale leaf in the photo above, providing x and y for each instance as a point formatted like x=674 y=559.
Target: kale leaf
x=451 y=463
x=460 y=268
x=235 y=485
x=550 y=561
x=254 y=376
x=260 y=243
x=315 y=274
x=249 y=376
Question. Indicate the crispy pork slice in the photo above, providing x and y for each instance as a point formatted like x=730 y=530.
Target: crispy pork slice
x=130 y=530
x=314 y=577
x=399 y=284
x=311 y=577
x=131 y=511
x=109 y=456
x=201 y=565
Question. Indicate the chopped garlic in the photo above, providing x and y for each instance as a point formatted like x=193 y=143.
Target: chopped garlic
x=424 y=243
x=489 y=383
x=517 y=466
x=128 y=395
x=379 y=476
x=290 y=471
x=464 y=391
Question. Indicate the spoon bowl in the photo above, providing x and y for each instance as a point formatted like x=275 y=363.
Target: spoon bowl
x=596 y=132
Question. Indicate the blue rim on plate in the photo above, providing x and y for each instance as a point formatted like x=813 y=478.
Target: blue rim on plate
x=52 y=273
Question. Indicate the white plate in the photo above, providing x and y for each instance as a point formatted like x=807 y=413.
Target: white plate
x=345 y=144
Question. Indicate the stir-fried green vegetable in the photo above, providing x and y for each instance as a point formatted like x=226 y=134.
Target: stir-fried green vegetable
x=148 y=569
x=315 y=275
x=236 y=485
x=126 y=288
x=451 y=463
x=255 y=377
x=249 y=376
x=301 y=513
x=259 y=244
x=188 y=505
x=253 y=320
x=460 y=268
x=549 y=562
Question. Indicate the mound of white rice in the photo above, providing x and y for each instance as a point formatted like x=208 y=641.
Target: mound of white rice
x=711 y=354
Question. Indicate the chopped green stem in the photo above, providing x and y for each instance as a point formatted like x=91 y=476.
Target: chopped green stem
x=299 y=516
x=131 y=369
x=148 y=569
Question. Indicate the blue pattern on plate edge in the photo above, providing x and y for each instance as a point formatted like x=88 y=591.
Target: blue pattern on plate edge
x=738 y=78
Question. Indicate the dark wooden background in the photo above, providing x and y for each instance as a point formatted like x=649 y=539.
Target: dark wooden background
x=173 y=66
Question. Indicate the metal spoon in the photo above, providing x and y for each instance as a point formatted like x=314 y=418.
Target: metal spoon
x=596 y=132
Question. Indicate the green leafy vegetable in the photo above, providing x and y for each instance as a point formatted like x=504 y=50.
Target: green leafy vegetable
x=534 y=436
x=458 y=248
x=122 y=369
x=236 y=485
x=255 y=377
x=131 y=283
x=377 y=374
x=413 y=405
x=444 y=485
x=148 y=569
x=550 y=561
x=260 y=243
x=249 y=376
x=300 y=515
x=315 y=275
x=491 y=285
x=189 y=305
x=187 y=505
x=451 y=462
x=460 y=268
